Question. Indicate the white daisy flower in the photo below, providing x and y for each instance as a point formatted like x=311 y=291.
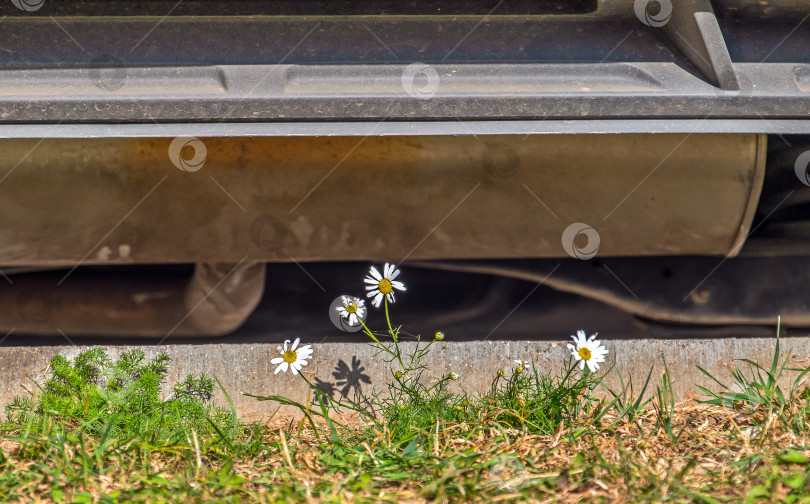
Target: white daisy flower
x=587 y=351
x=353 y=310
x=293 y=358
x=380 y=286
x=521 y=365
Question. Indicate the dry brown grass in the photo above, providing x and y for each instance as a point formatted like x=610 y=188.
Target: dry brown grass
x=720 y=456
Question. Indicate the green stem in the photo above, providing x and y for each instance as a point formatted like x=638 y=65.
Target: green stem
x=423 y=351
x=371 y=335
x=387 y=319
x=394 y=336
x=442 y=380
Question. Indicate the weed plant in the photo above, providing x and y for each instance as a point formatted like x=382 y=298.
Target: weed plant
x=119 y=399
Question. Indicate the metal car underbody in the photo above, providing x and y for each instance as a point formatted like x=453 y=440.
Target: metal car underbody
x=165 y=167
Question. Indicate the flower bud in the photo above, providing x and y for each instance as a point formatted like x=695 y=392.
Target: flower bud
x=500 y=372
x=398 y=374
x=453 y=375
x=439 y=336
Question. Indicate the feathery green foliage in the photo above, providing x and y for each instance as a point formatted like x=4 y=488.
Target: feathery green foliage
x=121 y=398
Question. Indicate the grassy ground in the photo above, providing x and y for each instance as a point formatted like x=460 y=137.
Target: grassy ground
x=102 y=431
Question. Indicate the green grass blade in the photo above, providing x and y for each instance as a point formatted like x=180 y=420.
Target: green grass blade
x=230 y=403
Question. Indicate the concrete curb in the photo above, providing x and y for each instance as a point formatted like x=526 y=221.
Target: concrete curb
x=352 y=367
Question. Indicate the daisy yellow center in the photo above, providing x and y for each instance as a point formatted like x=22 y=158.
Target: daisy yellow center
x=385 y=286
x=290 y=356
x=351 y=307
x=584 y=353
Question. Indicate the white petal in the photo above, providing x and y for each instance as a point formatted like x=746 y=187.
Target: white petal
x=377 y=299
x=281 y=367
x=387 y=270
x=295 y=343
x=286 y=342
x=371 y=281
x=394 y=274
x=294 y=371
x=375 y=274
x=391 y=298
x=277 y=360
x=398 y=285
x=280 y=350
x=571 y=347
x=582 y=365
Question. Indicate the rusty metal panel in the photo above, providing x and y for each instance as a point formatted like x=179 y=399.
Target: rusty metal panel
x=153 y=200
